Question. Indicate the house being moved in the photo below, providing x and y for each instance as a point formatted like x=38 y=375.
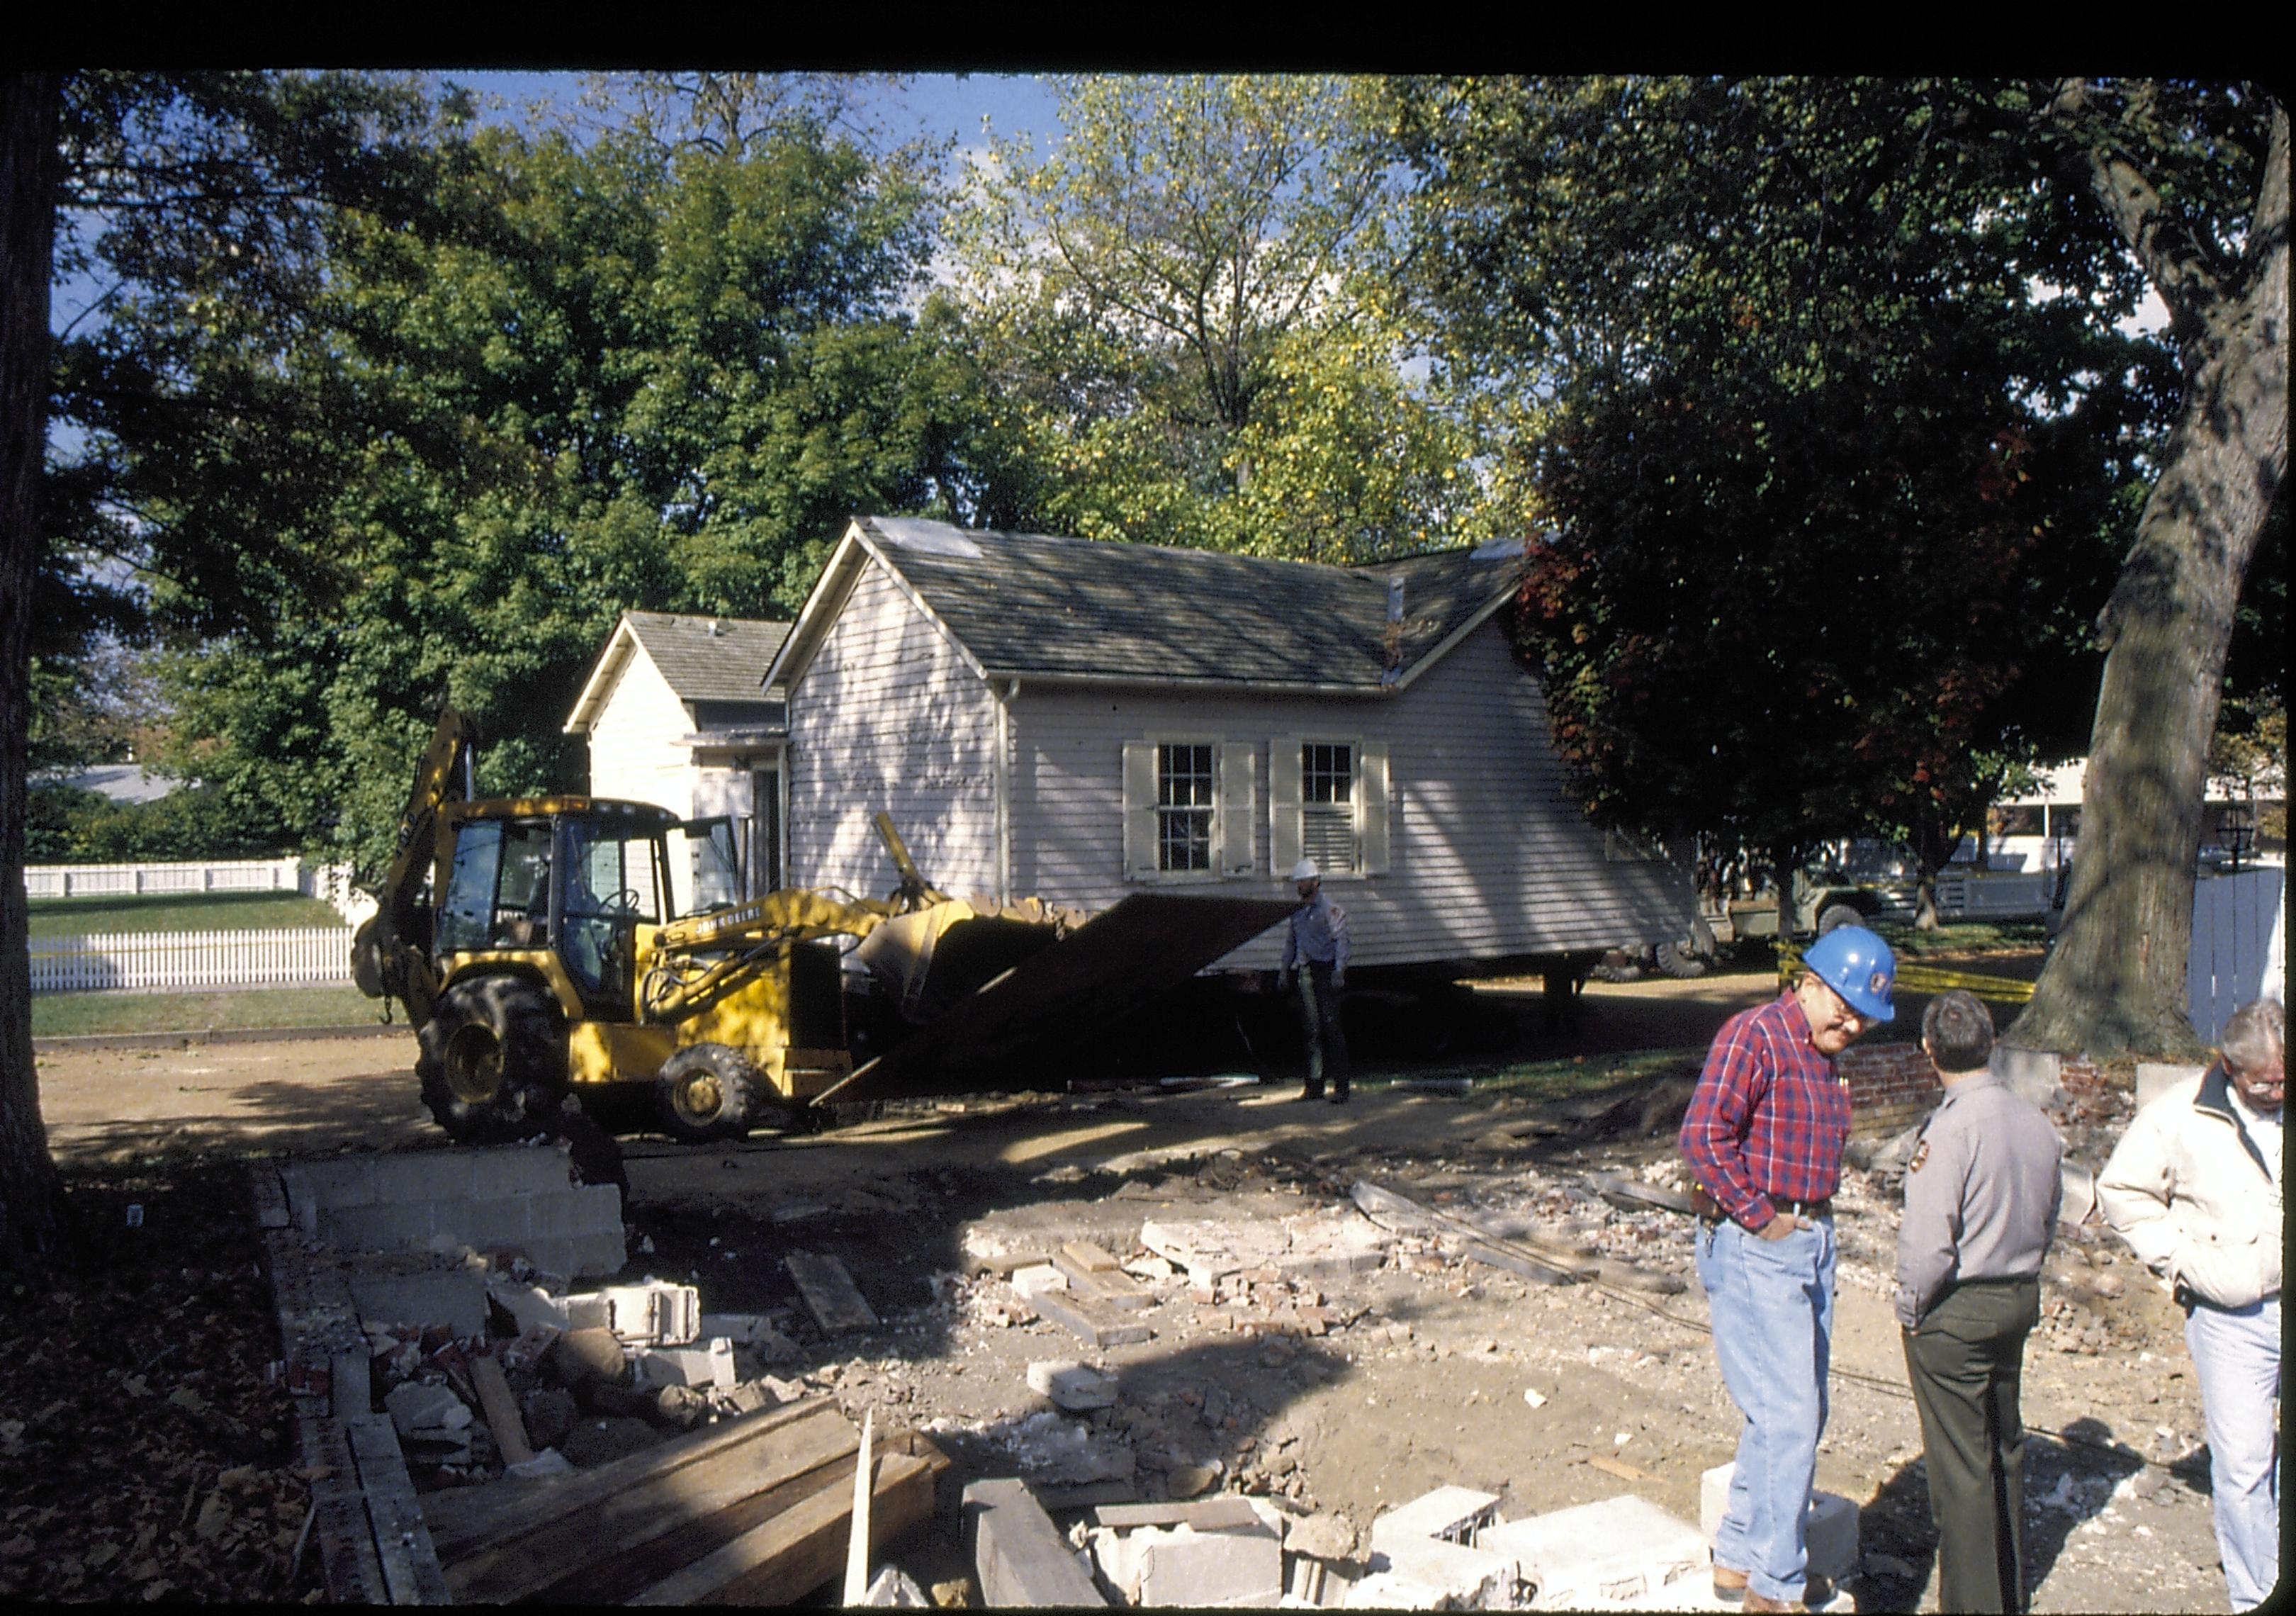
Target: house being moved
x=1079 y=720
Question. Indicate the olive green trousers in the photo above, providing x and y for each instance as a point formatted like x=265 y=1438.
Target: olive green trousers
x=1965 y=1361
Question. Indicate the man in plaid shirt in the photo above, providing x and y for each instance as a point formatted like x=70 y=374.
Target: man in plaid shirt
x=1763 y=1138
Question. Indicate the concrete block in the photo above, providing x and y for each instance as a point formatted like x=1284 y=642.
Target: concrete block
x=530 y=1306
x=542 y=1467
x=2156 y=1078
x=1181 y=1566
x=705 y=1366
x=1452 y=1514
x=585 y=1257
x=740 y=1328
x=594 y=1208
x=1391 y=1591
x=422 y=1411
x=432 y=1175
x=654 y=1313
x=456 y=1299
x=377 y=1228
x=519 y=1170
x=1038 y=1278
x=1466 y=1579
x=1829 y=1530
x=1073 y=1386
x=484 y=1225
x=1018 y=1556
x=2034 y=1073
x=1618 y=1550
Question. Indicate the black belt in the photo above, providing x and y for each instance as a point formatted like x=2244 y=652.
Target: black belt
x=1710 y=1209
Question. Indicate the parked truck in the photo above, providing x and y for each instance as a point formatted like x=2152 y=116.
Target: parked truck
x=531 y=943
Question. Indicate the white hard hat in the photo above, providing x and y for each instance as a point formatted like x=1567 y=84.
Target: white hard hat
x=1306 y=869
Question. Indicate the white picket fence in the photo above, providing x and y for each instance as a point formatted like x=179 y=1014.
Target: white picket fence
x=131 y=880
x=192 y=959
x=2239 y=948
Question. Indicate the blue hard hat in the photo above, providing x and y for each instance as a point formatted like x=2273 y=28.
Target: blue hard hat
x=1857 y=965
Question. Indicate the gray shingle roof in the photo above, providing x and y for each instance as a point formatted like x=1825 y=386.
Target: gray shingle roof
x=710 y=659
x=1030 y=604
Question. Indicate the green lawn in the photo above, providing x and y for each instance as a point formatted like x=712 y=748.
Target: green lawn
x=206 y=912
x=85 y=1014
x=1967 y=937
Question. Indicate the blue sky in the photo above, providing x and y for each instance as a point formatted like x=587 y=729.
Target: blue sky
x=941 y=103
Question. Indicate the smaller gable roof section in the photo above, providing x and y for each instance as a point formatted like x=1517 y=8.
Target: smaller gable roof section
x=702 y=658
x=1033 y=605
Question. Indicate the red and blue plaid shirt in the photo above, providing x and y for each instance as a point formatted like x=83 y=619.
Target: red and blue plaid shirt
x=1768 y=1118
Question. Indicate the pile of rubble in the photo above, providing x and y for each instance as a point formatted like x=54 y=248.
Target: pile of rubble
x=1448 y=1549
x=560 y=1381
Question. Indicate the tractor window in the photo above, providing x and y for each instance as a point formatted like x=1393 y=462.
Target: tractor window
x=611 y=883
x=522 y=917
x=465 y=922
x=711 y=855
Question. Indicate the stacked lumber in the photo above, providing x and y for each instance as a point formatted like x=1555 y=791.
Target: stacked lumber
x=753 y=1511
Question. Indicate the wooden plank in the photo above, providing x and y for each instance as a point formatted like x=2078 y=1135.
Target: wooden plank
x=783 y=1558
x=410 y=1561
x=1519 y=1265
x=527 y=1563
x=1619 y=1468
x=1091 y=1321
x=502 y=1411
x=1018 y=1556
x=617 y=1580
x=467 y=1519
x=829 y=1294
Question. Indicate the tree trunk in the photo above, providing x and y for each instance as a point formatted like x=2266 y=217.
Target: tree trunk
x=2115 y=983
x=31 y=1193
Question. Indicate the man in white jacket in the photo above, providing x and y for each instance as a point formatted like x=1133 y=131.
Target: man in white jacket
x=2193 y=1187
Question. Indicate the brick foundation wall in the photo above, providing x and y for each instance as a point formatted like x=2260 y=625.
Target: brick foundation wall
x=1891 y=1088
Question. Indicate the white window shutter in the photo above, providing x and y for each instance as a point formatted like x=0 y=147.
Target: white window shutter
x=1283 y=805
x=1371 y=807
x=1233 y=821
x=1139 y=809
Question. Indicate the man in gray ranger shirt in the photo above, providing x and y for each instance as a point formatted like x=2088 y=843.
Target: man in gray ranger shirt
x=1982 y=1195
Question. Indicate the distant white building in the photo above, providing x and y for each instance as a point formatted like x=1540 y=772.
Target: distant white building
x=2039 y=829
x=676 y=714
x=120 y=781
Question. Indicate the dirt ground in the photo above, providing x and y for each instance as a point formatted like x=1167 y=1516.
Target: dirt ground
x=1432 y=1368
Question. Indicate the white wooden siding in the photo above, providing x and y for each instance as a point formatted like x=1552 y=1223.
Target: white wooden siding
x=887 y=716
x=634 y=750
x=1487 y=854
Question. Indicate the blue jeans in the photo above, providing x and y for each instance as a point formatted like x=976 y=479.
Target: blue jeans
x=2237 y=1357
x=1772 y=1303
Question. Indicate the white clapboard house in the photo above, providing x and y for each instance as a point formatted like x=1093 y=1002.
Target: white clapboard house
x=1078 y=720
x=677 y=713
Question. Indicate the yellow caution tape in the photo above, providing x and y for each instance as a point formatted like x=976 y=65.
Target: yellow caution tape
x=1916 y=978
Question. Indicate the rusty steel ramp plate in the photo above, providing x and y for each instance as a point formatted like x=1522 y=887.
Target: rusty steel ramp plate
x=1084 y=986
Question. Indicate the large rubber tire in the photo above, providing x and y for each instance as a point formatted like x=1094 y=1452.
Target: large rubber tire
x=1840 y=915
x=706 y=1091
x=1677 y=960
x=493 y=1059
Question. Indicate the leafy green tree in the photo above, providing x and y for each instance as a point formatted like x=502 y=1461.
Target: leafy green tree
x=1846 y=432
x=1820 y=474
x=655 y=370
x=1185 y=330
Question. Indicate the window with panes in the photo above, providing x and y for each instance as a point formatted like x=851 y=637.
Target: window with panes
x=1185 y=795
x=1327 y=808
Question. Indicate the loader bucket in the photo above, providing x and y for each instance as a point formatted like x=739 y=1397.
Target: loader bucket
x=1056 y=1000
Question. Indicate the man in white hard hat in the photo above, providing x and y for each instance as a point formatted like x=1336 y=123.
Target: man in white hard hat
x=1316 y=942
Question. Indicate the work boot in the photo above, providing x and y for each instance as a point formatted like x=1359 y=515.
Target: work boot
x=1729 y=1583
x=1338 y=1096
x=1309 y=1093
x=1816 y=1591
x=1756 y=1600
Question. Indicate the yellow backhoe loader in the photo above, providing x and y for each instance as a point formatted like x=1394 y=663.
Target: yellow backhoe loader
x=531 y=942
